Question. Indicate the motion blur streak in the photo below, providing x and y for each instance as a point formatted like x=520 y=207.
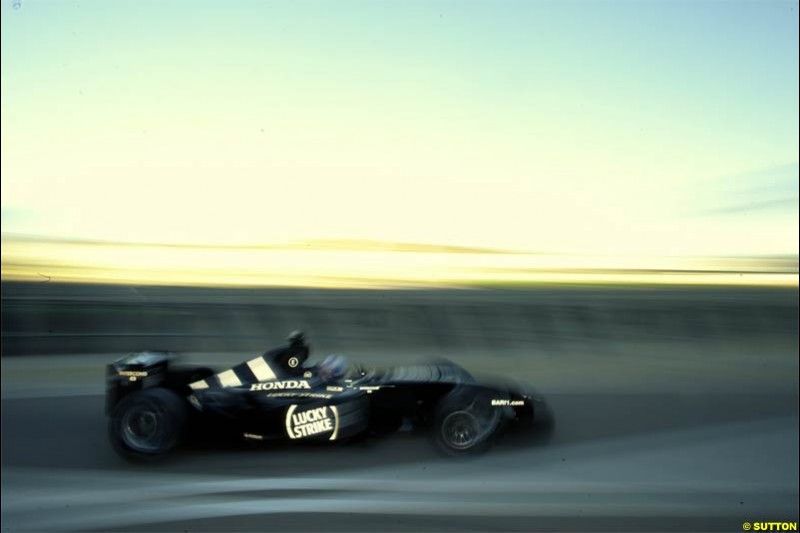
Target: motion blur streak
x=676 y=408
x=366 y=264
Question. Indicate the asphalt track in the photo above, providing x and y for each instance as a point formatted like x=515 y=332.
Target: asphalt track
x=613 y=462
x=670 y=435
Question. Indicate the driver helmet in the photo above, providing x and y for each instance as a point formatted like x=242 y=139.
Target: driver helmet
x=296 y=337
x=333 y=367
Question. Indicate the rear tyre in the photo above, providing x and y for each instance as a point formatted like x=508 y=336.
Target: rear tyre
x=465 y=423
x=147 y=424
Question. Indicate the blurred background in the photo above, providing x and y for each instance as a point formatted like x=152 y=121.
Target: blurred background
x=598 y=199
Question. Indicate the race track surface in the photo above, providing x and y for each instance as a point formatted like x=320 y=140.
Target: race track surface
x=613 y=462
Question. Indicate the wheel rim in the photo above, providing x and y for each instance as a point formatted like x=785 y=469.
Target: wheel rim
x=141 y=428
x=460 y=430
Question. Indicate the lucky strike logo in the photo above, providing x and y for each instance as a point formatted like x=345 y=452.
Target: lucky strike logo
x=312 y=422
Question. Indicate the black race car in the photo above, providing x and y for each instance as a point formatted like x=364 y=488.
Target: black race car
x=151 y=405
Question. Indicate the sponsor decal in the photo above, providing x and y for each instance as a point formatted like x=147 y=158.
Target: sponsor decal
x=229 y=379
x=133 y=373
x=299 y=395
x=261 y=369
x=307 y=374
x=333 y=388
x=253 y=436
x=503 y=402
x=281 y=385
x=293 y=362
x=312 y=422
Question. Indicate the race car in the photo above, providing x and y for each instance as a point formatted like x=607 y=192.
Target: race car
x=152 y=405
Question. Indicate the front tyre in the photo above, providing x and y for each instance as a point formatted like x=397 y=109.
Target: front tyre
x=465 y=423
x=147 y=424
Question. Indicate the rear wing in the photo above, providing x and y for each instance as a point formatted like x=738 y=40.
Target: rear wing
x=134 y=372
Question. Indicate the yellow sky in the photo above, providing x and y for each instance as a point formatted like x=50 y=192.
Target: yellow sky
x=359 y=264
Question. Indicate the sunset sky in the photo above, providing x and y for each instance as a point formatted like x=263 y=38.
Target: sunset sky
x=600 y=128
